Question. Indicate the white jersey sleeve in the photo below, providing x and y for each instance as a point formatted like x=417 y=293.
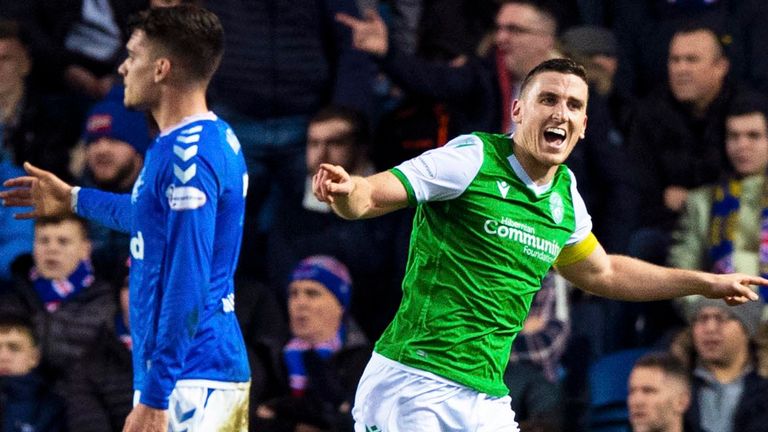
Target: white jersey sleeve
x=583 y=219
x=446 y=172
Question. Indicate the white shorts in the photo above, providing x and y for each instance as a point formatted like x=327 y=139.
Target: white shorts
x=392 y=397
x=207 y=406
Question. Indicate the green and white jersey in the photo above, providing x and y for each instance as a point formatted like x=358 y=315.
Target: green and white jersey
x=484 y=236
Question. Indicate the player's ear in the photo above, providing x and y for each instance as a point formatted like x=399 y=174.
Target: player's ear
x=584 y=129
x=517 y=116
x=162 y=69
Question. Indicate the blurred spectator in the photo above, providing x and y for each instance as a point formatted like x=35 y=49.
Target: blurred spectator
x=659 y=394
x=676 y=139
x=32 y=128
x=115 y=139
x=26 y=400
x=325 y=357
x=283 y=60
x=66 y=303
x=479 y=92
x=78 y=44
x=728 y=394
x=374 y=249
x=645 y=28
x=99 y=390
x=723 y=223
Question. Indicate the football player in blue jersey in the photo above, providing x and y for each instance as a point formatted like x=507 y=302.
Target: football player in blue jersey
x=185 y=217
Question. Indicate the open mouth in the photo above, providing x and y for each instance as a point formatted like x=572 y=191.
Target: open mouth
x=554 y=136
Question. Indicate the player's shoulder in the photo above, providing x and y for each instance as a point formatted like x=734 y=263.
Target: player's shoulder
x=194 y=130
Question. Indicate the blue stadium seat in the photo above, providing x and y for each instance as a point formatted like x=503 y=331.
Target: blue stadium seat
x=608 y=391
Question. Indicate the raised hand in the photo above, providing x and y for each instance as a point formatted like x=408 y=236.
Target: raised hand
x=47 y=194
x=368 y=34
x=331 y=181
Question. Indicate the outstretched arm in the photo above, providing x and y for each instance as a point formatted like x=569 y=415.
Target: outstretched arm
x=48 y=195
x=625 y=278
x=353 y=197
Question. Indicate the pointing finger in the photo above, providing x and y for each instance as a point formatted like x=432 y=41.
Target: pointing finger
x=349 y=21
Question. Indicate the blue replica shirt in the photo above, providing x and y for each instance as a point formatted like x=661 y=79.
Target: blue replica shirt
x=185 y=216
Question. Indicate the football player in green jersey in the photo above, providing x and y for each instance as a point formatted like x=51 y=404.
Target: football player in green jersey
x=493 y=214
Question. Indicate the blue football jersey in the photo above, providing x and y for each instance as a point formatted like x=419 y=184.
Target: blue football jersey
x=185 y=216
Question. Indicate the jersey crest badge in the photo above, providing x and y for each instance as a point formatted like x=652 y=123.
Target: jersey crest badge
x=556 y=207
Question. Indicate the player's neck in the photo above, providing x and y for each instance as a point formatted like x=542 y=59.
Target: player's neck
x=539 y=173
x=174 y=106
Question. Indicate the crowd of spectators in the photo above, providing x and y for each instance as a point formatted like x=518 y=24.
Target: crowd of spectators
x=672 y=168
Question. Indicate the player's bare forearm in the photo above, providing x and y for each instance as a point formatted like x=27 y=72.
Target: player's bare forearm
x=356 y=203
x=624 y=278
x=354 y=197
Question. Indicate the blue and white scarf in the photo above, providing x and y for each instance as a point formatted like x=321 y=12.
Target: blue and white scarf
x=54 y=291
x=293 y=354
x=725 y=220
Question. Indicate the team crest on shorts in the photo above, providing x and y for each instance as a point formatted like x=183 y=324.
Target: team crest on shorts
x=556 y=207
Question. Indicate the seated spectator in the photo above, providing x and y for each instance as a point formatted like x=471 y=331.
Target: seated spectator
x=659 y=394
x=675 y=144
x=116 y=139
x=66 y=303
x=721 y=227
x=99 y=389
x=727 y=394
x=320 y=365
x=676 y=141
x=26 y=401
x=374 y=249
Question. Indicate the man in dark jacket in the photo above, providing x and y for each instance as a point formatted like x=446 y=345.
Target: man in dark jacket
x=676 y=141
x=316 y=371
x=67 y=304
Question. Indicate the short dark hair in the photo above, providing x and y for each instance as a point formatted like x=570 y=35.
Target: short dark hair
x=12 y=321
x=190 y=34
x=359 y=133
x=667 y=363
x=694 y=27
x=561 y=65
x=9 y=30
x=55 y=220
x=748 y=102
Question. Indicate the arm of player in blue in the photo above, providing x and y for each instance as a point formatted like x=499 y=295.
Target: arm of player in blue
x=109 y=209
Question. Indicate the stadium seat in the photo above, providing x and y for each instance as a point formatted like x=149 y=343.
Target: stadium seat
x=608 y=391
